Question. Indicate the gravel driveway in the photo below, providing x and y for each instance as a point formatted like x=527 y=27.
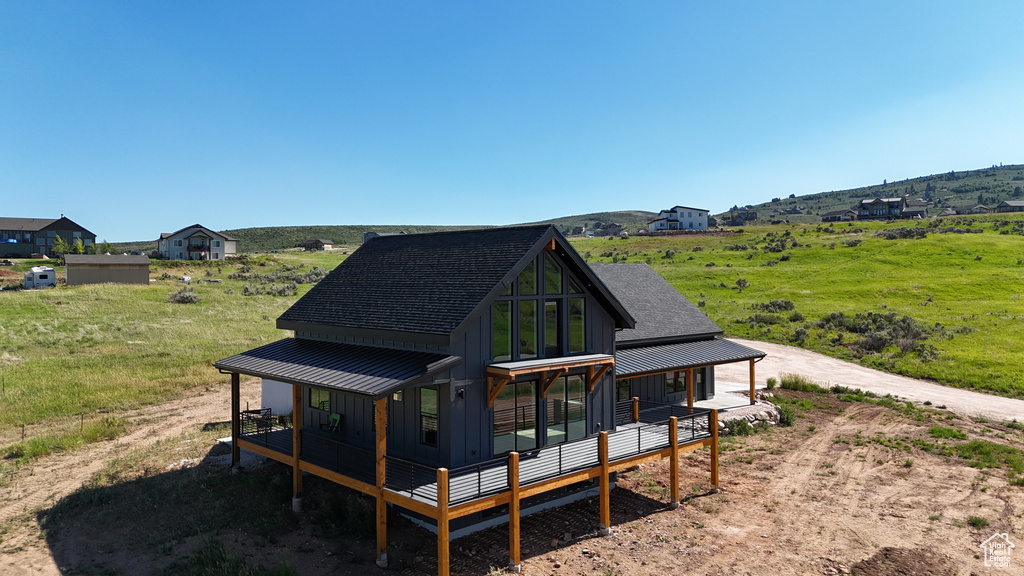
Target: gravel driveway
x=828 y=370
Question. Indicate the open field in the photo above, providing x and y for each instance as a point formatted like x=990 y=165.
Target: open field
x=869 y=486
x=964 y=291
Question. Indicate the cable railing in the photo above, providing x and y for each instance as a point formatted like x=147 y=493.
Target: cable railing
x=414 y=480
x=352 y=461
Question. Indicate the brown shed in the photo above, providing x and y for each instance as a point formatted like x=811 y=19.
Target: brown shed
x=101 y=268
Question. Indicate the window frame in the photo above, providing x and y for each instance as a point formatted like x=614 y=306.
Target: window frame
x=425 y=428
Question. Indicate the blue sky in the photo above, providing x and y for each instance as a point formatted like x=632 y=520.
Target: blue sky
x=136 y=118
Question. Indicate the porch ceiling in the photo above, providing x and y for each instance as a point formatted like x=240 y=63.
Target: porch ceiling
x=633 y=362
x=352 y=368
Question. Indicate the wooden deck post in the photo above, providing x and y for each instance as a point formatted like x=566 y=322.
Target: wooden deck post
x=605 y=497
x=381 y=414
x=513 y=512
x=752 y=381
x=689 y=389
x=713 y=424
x=296 y=447
x=673 y=439
x=636 y=409
x=442 y=522
x=236 y=425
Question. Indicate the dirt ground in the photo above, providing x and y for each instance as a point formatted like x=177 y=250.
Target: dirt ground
x=817 y=498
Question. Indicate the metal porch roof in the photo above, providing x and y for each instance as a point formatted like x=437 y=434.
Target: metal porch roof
x=352 y=368
x=633 y=362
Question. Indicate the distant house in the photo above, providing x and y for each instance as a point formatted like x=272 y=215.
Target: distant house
x=612 y=229
x=881 y=209
x=1010 y=206
x=839 y=215
x=103 y=268
x=319 y=244
x=680 y=218
x=579 y=230
x=196 y=242
x=23 y=237
x=916 y=209
x=947 y=212
x=469 y=377
x=975 y=209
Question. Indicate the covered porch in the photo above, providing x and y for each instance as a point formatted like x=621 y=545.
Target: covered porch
x=440 y=494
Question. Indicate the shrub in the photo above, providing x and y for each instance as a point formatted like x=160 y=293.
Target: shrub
x=943 y=432
x=800 y=335
x=796 y=317
x=902 y=233
x=772 y=382
x=186 y=295
x=775 y=306
x=852 y=242
x=786 y=415
x=740 y=427
x=799 y=383
x=977 y=522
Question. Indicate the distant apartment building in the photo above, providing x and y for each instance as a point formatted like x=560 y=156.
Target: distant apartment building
x=23 y=237
x=196 y=242
x=680 y=218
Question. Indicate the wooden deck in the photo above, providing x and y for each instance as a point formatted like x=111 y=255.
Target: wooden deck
x=487 y=478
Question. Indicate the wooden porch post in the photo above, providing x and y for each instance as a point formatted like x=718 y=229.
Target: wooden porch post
x=296 y=447
x=673 y=439
x=442 y=522
x=751 y=380
x=236 y=425
x=636 y=409
x=381 y=413
x=713 y=424
x=513 y=512
x=605 y=497
x=689 y=389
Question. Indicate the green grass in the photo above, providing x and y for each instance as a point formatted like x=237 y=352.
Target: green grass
x=99 y=348
x=934 y=280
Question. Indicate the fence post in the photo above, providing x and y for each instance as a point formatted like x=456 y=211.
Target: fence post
x=442 y=522
x=513 y=513
x=673 y=438
x=713 y=424
x=636 y=409
x=602 y=454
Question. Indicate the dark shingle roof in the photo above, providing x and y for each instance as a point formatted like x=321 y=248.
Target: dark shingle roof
x=358 y=369
x=424 y=283
x=25 y=224
x=105 y=259
x=662 y=314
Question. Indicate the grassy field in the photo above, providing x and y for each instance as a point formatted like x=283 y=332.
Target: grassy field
x=964 y=291
x=92 y=349
x=77 y=353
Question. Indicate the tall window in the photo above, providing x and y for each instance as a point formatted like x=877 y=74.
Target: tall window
x=541 y=314
x=428 y=415
x=622 y=390
x=515 y=418
x=675 y=383
x=566 y=410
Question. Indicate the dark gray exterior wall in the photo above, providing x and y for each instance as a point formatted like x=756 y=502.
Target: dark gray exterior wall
x=652 y=388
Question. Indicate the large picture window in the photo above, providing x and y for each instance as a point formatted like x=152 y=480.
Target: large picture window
x=675 y=383
x=320 y=399
x=541 y=314
x=515 y=418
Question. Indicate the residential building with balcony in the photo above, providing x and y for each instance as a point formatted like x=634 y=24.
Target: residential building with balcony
x=196 y=242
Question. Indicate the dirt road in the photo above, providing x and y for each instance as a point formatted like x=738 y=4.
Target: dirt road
x=825 y=369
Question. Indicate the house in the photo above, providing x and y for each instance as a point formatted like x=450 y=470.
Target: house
x=196 y=242
x=670 y=355
x=680 y=218
x=103 y=268
x=916 y=209
x=23 y=237
x=975 y=209
x=881 y=208
x=318 y=244
x=947 y=212
x=40 y=277
x=467 y=378
x=1010 y=206
x=839 y=215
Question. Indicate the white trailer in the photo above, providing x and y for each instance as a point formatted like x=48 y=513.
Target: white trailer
x=40 y=277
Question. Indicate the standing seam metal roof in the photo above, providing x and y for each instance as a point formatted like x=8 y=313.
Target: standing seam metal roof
x=352 y=368
x=654 y=359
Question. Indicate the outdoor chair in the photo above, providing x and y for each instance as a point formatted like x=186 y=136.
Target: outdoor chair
x=333 y=425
